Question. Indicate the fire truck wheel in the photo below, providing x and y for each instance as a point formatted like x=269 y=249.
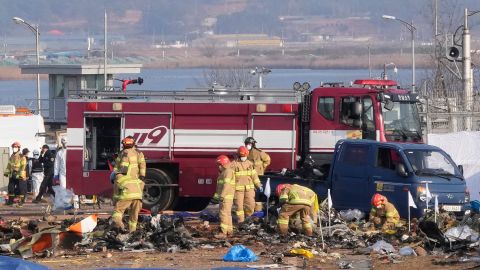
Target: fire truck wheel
x=154 y=194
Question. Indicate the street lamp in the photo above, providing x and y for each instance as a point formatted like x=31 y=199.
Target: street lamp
x=34 y=29
x=395 y=70
x=412 y=30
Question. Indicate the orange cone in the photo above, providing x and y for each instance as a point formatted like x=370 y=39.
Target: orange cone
x=85 y=226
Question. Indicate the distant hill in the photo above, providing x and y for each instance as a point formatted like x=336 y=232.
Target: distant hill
x=187 y=18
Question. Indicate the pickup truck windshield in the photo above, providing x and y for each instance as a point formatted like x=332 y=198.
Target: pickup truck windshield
x=427 y=162
x=402 y=121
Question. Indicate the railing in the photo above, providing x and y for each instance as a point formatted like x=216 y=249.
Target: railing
x=271 y=95
x=53 y=109
x=443 y=115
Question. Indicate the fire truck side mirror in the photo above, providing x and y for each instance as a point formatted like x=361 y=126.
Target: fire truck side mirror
x=388 y=105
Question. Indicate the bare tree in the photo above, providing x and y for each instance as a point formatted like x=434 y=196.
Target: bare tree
x=209 y=48
x=235 y=78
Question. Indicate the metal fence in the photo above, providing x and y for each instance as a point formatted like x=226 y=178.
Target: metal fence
x=450 y=114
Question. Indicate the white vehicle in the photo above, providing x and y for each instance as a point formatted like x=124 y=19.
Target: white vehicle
x=18 y=125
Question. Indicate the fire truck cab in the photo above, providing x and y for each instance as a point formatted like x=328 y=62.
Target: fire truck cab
x=182 y=132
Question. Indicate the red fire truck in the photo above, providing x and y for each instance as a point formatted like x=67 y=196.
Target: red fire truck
x=182 y=132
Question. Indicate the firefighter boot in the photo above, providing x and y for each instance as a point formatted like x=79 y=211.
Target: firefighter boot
x=220 y=235
x=10 y=199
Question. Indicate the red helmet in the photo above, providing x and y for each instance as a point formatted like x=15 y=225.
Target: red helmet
x=223 y=160
x=280 y=188
x=377 y=200
x=16 y=144
x=128 y=141
x=242 y=151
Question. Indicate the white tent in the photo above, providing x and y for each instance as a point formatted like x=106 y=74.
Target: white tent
x=26 y=129
x=464 y=148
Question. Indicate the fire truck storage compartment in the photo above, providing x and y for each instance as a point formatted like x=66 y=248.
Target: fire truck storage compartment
x=153 y=137
x=102 y=141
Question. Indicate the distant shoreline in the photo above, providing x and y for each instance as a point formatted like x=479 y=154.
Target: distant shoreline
x=246 y=62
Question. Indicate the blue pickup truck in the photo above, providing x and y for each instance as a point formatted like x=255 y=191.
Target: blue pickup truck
x=361 y=168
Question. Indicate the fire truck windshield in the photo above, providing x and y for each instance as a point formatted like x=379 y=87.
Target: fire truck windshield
x=402 y=122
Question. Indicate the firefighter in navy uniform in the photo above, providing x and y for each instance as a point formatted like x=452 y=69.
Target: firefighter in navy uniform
x=16 y=172
x=246 y=181
x=130 y=174
x=259 y=158
x=47 y=159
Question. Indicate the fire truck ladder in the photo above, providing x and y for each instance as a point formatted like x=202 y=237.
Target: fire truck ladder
x=196 y=94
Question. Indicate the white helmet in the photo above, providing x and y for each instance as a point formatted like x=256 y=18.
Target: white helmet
x=36 y=152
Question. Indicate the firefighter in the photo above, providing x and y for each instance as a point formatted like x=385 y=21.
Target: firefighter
x=383 y=214
x=130 y=176
x=296 y=199
x=47 y=159
x=246 y=180
x=16 y=172
x=259 y=158
x=224 y=195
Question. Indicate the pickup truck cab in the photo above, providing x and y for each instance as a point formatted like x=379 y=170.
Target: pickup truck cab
x=361 y=168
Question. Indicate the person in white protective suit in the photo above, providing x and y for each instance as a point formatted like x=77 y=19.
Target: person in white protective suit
x=36 y=171
x=60 y=168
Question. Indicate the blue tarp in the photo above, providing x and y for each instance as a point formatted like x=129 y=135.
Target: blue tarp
x=10 y=263
x=239 y=253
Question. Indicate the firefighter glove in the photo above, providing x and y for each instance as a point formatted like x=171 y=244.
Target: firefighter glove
x=260 y=189
x=142 y=178
x=112 y=177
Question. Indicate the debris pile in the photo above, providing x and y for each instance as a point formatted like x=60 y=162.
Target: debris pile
x=174 y=232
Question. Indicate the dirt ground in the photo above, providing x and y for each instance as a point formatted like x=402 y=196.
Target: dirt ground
x=211 y=257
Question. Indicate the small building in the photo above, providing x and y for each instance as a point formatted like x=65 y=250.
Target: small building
x=65 y=80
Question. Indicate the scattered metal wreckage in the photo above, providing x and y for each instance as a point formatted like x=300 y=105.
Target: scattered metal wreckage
x=180 y=231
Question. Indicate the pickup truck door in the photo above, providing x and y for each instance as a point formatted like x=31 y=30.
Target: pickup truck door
x=386 y=179
x=351 y=184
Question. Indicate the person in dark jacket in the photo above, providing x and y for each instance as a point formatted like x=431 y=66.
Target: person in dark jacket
x=47 y=159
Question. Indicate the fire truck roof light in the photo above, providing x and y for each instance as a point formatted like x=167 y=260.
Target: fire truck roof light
x=92 y=106
x=287 y=108
x=372 y=82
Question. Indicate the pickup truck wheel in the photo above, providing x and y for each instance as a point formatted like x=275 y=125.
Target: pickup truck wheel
x=158 y=190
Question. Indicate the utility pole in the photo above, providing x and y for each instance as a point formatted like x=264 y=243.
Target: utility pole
x=412 y=31
x=467 y=73
x=105 y=53
x=369 y=63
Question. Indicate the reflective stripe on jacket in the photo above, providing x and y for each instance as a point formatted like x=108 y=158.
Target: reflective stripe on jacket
x=17 y=165
x=390 y=213
x=225 y=185
x=130 y=166
x=260 y=160
x=246 y=177
x=297 y=194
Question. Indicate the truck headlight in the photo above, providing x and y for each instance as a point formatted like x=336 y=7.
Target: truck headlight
x=467 y=195
x=422 y=193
